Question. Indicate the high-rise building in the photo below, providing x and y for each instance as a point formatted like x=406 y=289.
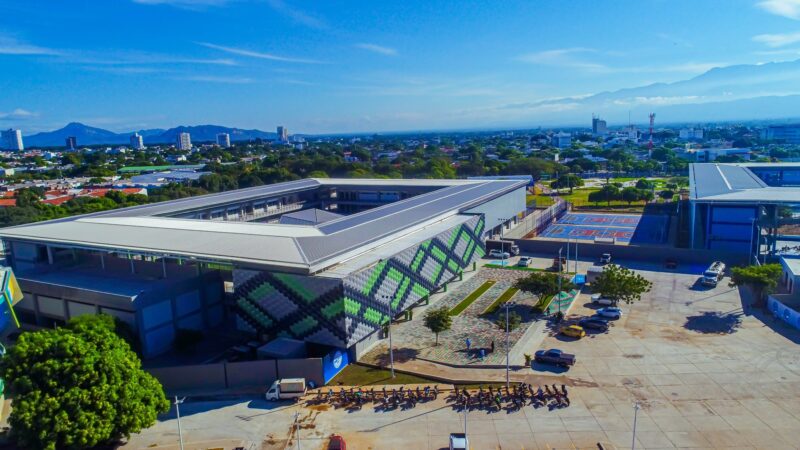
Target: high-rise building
x=789 y=134
x=184 y=141
x=561 y=140
x=688 y=134
x=599 y=126
x=283 y=134
x=137 y=143
x=72 y=143
x=224 y=140
x=12 y=139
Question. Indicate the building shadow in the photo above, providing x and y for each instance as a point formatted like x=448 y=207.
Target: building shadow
x=401 y=355
x=714 y=322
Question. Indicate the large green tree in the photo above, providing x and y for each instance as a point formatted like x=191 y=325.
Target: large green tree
x=438 y=320
x=761 y=279
x=569 y=181
x=78 y=387
x=621 y=284
x=542 y=284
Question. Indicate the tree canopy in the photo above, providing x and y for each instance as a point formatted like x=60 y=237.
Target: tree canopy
x=761 y=279
x=438 y=320
x=621 y=284
x=542 y=284
x=78 y=386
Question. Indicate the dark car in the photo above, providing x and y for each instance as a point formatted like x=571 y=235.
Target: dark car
x=594 y=323
x=554 y=356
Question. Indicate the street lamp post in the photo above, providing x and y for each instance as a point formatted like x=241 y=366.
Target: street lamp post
x=297 y=429
x=558 y=295
x=635 y=413
x=507 y=306
x=391 y=349
x=178 y=414
x=502 y=243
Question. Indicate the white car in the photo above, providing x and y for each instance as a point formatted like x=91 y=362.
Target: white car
x=610 y=313
x=598 y=299
x=459 y=441
x=499 y=254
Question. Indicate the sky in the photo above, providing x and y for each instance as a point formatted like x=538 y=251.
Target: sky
x=359 y=66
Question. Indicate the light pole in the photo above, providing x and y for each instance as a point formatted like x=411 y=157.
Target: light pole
x=507 y=306
x=635 y=413
x=502 y=243
x=297 y=429
x=391 y=349
x=178 y=414
x=558 y=295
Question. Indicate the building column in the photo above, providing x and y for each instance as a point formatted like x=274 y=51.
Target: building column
x=692 y=218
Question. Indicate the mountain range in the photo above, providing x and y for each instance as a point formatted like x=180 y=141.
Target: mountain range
x=87 y=135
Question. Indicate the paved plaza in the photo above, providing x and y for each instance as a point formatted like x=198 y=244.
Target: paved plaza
x=412 y=340
x=705 y=372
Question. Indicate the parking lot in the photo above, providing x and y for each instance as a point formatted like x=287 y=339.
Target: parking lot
x=705 y=373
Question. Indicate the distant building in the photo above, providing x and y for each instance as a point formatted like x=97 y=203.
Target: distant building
x=711 y=154
x=789 y=134
x=12 y=139
x=690 y=134
x=599 y=126
x=224 y=140
x=72 y=143
x=561 y=140
x=283 y=134
x=137 y=143
x=184 y=141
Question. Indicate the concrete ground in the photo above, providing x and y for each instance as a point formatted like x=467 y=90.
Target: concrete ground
x=705 y=373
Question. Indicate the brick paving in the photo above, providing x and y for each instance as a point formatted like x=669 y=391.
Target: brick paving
x=412 y=340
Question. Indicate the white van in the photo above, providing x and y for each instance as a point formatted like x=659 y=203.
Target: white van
x=286 y=388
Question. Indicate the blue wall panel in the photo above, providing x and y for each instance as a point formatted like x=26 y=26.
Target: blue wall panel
x=156 y=314
x=187 y=303
x=732 y=214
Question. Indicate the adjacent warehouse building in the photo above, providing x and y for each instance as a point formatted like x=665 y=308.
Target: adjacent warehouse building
x=743 y=207
x=327 y=261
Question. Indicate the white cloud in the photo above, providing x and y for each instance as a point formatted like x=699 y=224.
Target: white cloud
x=217 y=79
x=297 y=15
x=259 y=55
x=564 y=57
x=786 y=8
x=11 y=46
x=17 y=114
x=778 y=40
x=377 y=49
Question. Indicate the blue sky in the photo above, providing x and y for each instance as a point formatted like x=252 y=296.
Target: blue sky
x=335 y=66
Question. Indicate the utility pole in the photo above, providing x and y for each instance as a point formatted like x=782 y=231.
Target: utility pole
x=391 y=348
x=178 y=414
x=635 y=413
x=558 y=295
x=507 y=306
x=297 y=429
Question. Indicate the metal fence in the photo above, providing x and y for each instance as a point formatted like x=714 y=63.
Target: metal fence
x=537 y=220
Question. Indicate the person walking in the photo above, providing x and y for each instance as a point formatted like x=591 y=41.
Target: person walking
x=469 y=344
x=492 y=345
x=483 y=354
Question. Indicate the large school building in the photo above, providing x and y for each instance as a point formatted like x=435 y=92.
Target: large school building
x=327 y=261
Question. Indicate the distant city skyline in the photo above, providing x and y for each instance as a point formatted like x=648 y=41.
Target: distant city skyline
x=371 y=67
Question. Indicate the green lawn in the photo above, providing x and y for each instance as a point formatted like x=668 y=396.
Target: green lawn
x=358 y=375
x=504 y=297
x=461 y=306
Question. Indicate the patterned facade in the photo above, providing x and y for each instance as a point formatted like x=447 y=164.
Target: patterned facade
x=341 y=312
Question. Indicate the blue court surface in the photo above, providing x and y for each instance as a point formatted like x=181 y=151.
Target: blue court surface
x=624 y=228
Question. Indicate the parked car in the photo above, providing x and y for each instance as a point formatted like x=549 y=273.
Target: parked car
x=575 y=331
x=554 y=356
x=594 y=323
x=524 y=261
x=499 y=254
x=598 y=299
x=337 y=443
x=714 y=273
x=459 y=441
x=605 y=258
x=610 y=313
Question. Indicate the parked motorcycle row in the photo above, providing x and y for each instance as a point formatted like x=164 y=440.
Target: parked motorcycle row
x=493 y=400
x=384 y=399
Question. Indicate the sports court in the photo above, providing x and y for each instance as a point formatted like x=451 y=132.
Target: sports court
x=623 y=228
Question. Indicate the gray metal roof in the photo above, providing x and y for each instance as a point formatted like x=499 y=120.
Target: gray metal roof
x=300 y=248
x=717 y=182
